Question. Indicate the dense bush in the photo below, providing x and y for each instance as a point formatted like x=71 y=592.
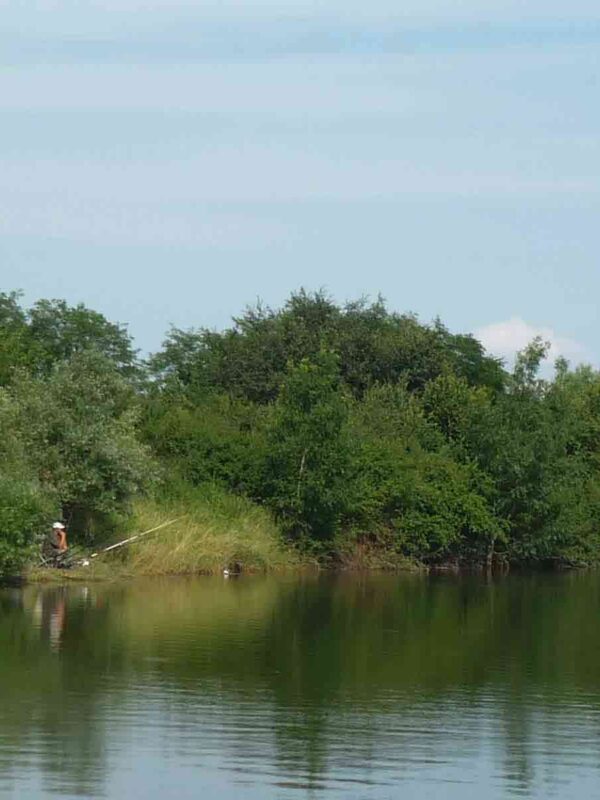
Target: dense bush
x=219 y=439
x=79 y=432
x=307 y=461
x=69 y=412
x=25 y=510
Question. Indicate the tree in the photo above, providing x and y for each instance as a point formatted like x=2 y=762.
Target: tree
x=308 y=458
x=25 y=510
x=60 y=331
x=78 y=430
x=15 y=343
x=413 y=491
x=26 y=507
x=374 y=346
x=217 y=439
x=50 y=332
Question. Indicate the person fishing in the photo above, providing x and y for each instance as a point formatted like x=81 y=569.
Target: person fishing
x=55 y=549
x=56 y=545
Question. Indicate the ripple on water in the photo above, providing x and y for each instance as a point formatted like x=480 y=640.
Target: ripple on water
x=273 y=689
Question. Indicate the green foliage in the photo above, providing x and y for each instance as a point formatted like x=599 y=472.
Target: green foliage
x=60 y=331
x=76 y=432
x=374 y=346
x=307 y=459
x=68 y=423
x=24 y=512
x=217 y=440
x=410 y=492
x=15 y=345
x=468 y=360
x=456 y=409
x=51 y=332
x=356 y=427
x=444 y=454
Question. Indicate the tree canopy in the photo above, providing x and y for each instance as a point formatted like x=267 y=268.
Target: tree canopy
x=373 y=346
x=359 y=428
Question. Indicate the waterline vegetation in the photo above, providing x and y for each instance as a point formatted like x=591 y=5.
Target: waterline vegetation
x=219 y=531
x=316 y=433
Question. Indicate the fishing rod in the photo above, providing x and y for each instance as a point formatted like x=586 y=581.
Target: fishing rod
x=130 y=539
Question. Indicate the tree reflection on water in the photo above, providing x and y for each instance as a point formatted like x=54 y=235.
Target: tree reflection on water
x=336 y=681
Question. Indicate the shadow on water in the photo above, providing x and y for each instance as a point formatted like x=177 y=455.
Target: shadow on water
x=291 y=686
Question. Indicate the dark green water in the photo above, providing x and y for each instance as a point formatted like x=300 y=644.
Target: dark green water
x=340 y=686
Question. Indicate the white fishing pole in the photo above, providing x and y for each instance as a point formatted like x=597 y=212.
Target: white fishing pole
x=85 y=562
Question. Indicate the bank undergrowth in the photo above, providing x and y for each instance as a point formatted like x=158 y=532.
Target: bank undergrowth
x=215 y=530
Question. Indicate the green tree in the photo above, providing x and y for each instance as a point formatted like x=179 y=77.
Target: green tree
x=78 y=429
x=15 y=343
x=307 y=462
x=412 y=493
x=59 y=331
x=50 y=332
x=218 y=439
x=25 y=509
x=374 y=346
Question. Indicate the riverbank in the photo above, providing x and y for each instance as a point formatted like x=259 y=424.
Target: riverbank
x=213 y=531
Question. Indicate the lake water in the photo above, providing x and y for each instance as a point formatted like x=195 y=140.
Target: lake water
x=337 y=686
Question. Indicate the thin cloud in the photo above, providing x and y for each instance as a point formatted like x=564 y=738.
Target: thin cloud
x=104 y=13
x=505 y=339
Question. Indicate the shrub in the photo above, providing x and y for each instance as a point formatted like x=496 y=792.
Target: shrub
x=24 y=514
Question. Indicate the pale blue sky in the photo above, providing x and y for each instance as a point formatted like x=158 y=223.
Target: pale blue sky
x=172 y=161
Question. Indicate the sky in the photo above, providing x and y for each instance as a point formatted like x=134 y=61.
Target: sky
x=169 y=161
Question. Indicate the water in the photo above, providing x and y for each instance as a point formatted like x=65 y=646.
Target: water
x=336 y=687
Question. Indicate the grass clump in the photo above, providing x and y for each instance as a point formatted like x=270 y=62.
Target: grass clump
x=214 y=530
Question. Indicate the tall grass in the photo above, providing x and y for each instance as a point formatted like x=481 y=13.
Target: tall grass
x=215 y=531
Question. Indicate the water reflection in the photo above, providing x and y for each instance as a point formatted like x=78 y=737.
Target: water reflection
x=353 y=686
